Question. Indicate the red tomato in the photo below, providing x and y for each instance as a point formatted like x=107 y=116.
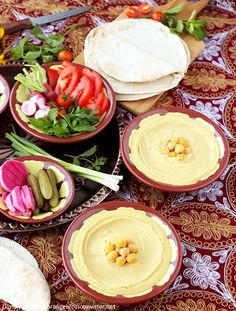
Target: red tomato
x=64 y=100
x=87 y=92
x=52 y=105
x=52 y=77
x=157 y=16
x=61 y=111
x=68 y=78
x=105 y=106
x=145 y=8
x=96 y=78
x=131 y=12
x=78 y=90
x=64 y=55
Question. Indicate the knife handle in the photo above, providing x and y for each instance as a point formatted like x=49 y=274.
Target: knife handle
x=17 y=25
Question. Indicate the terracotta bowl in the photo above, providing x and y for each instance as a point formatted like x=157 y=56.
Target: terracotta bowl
x=75 y=137
x=113 y=205
x=134 y=124
x=6 y=94
x=65 y=180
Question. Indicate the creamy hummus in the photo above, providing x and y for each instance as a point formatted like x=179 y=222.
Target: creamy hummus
x=203 y=161
x=154 y=266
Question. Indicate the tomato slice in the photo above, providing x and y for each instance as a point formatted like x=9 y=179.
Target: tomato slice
x=98 y=84
x=68 y=78
x=132 y=12
x=77 y=92
x=105 y=106
x=87 y=92
x=52 y=77
x=145 y=8
x=157 y=16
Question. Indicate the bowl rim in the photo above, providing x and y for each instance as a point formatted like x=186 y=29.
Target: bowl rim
x=7 y=93
x=134 y=124
x=68 y=178
x=113 y=205
x=73 y=138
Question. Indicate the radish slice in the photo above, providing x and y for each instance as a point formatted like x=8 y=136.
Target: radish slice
x=40 y=114
x=29 y=108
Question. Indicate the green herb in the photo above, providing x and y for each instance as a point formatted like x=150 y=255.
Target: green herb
x=193 y=26
x=24 y=146
x=33 y=79
x=89 y=159
x=46 y=52
x=77 y=120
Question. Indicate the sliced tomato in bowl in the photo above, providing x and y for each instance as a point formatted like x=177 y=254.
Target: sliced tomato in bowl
x=52 y=77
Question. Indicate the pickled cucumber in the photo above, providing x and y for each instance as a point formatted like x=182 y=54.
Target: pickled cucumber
x=45 y=184
x=34 y=184
x=22 y=93
x=54 y=201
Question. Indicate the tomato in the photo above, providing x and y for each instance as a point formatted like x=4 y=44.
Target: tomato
x=64 y=100
x=78 y=90
x=145 y=8
x=157 y=16
x=52 y=77
x=131 y=12
x=64 y=55
x=61 y=111
x=95 y=78
x=68 y=78
x=87 y=92
x=52 y=104
x=105 y=106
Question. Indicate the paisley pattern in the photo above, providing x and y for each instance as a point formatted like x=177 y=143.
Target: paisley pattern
x=205 y=220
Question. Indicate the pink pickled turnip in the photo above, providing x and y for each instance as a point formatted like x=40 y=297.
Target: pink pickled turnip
x=4 y=196
x=38 y=99
x=9 y=204
x=17 y=199
x=28 y=108
x=27 y=197
x=13 y=173
x=40 y=114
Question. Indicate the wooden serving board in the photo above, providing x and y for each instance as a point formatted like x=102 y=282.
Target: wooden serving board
x=195 y=47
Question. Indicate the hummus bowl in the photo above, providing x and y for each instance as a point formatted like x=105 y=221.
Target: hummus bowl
x=174 y=149
x=64 y=185
x=121 y=252
x=4 y=93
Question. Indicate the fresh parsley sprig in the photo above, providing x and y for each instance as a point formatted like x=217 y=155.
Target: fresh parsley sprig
x=77 y=120
x=46 y=52
x=193 y=26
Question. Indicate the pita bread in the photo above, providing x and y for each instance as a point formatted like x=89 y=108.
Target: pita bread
x=19 y=251
x=136 y=90
x=22 y=285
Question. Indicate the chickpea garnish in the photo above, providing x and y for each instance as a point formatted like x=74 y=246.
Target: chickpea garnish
x=121 y=251
x=175 y=148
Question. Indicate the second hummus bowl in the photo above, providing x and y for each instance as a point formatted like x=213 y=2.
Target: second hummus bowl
x=174 y=149
x=121 y=252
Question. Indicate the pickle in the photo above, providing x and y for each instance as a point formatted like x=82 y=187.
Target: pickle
x=46 y=206
x=34 y=185
x=45 y=184
x=54 y=201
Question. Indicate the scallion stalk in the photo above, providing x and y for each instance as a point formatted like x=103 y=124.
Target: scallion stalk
x=23 y=146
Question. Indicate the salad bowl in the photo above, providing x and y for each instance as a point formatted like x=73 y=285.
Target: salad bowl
x=4 y=93
x=49 y=108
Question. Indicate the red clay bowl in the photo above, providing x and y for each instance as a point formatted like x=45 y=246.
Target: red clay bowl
x=134 y=124
x=75 y=137
x=5 y=93
x=113 y=205
x=52 y=214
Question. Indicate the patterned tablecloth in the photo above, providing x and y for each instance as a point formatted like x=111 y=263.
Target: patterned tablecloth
x=205 y=220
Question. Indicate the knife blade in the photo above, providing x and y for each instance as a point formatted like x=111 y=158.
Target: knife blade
x=30 y=22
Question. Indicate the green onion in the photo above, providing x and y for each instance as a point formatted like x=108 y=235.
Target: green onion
x=23 y=146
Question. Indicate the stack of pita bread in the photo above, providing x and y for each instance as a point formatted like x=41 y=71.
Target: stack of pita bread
x=22 y=283
x=140 y=58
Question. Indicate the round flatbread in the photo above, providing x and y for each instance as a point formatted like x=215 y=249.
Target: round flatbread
x=19 y=251
x=138 y=50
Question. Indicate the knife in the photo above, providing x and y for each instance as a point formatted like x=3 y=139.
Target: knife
x=30 y=22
